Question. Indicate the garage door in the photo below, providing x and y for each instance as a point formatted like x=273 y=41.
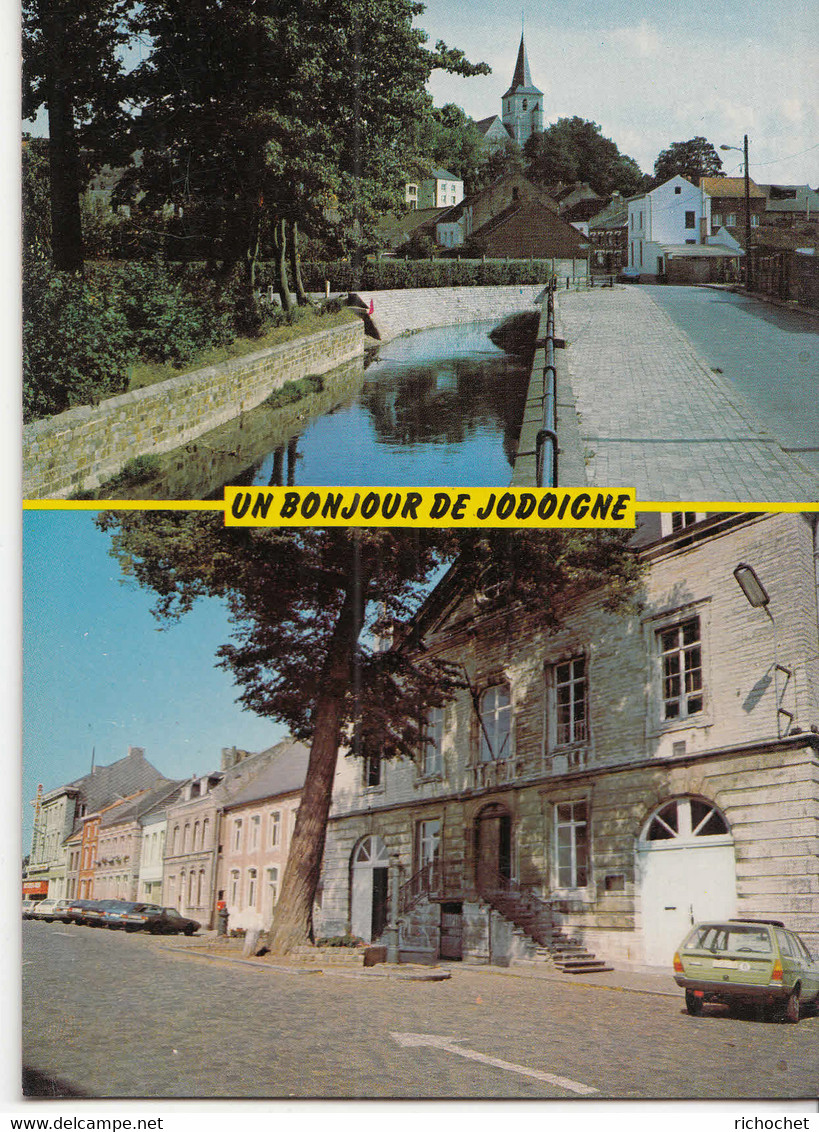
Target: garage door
x=687 y=873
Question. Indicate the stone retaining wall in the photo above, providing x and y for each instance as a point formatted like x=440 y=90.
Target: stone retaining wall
x=84 y=446
x=400 y=312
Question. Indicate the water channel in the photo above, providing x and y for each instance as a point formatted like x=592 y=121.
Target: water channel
x=441 y=406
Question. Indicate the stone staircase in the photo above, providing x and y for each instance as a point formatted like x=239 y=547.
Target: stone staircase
x=542 y=942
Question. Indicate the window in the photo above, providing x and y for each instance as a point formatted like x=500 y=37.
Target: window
x=495 y=723
x=237 y=834
x=677 y=190
x=372 y=771
x=525 y=104
x=428 y=841
x=731 y=219
x=681 y=655
x=196 y=835
x=571 y=821
x=432 y=760
x=200 y=888
x=690 y=220
x=716 y=221
x=272 y=887
x=754 y=221
x=205 y=824
x=251 y=887
x=255 y=827
x=275 y=828
x=683 y=819
x=571 y=698
x=234 y=888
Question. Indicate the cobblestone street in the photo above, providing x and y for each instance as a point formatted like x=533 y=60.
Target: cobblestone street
x=110 y=1015
x=654 y=416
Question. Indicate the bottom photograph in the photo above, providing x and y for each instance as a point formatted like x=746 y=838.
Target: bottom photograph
x=416 y=814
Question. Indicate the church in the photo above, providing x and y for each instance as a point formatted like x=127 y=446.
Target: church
x=521 y=108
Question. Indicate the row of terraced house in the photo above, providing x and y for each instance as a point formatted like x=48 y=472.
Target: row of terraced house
x=610 y=781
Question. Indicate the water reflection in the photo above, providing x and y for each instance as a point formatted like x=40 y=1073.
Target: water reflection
x=438 y=407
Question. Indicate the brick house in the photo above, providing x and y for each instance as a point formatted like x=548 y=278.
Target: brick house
x=614 y=780
x=608 y=236
x=727 y=195
x=120 y=841
x=257 y=825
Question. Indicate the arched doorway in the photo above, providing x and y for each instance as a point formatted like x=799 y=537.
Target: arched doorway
x=686 y=871
x=368 y=905
x=493 y=847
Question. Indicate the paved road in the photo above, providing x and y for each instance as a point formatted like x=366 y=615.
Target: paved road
x=121 y=1016
x=654 y=415
x=767 y=353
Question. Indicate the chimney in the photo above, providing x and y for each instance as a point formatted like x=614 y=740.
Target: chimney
x=230 y=756
x=136 y=752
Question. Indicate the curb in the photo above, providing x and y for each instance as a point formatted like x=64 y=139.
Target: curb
x=435 y=975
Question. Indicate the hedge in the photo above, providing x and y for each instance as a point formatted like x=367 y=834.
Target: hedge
x=398 y=275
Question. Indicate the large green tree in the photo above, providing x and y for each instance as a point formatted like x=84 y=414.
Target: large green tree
x=72 y=66
x=691 y=159
x=308 y=608
x=258 y=115
x=573 y=149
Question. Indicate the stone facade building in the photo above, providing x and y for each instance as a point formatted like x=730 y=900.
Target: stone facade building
x=617 y=779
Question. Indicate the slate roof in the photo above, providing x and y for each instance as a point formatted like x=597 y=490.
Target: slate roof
x=163 y=792
x=522 y=78
x=527 y=228
x=284 y=773
x=103 y=785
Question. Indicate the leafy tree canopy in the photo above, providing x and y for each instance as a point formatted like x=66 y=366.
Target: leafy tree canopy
x=690 y=159
x=573 y=149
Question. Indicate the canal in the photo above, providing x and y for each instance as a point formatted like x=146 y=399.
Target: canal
x=441 y=406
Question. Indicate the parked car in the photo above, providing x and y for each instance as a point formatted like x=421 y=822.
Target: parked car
x=167 y=921
x=138 y=917
x=113 y=912
x=741 y=962
x=94 y=913
x=629 y=275
x=77 y=909
x=50 y=910
x=28 y=908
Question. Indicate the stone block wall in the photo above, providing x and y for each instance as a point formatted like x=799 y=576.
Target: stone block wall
x=401 y=312
x=84 y=446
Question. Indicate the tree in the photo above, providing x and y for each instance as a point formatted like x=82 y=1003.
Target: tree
x=448 y=139
x=36 y=198
x=260 y=115
x=501 y=161
x=573 y=149
x=72 y=65
x=308 y=607
x=690 y=159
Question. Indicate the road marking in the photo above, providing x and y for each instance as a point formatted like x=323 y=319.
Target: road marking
x=449 y=1045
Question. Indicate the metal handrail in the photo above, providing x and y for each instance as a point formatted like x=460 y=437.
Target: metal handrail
x=546 y=440
x=427 y=881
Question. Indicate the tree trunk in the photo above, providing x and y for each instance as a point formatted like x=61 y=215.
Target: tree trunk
x=280 y=262
x=295 y=266
x=293 y=917
x=63 y=153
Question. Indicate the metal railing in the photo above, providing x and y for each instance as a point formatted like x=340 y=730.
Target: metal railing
x=546 y=440
x=427 y=881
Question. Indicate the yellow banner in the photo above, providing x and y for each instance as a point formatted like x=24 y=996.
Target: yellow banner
x=428 y=507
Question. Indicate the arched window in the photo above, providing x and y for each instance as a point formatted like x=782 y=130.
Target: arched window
x=496 y=715
x=525 y=104
x=205 y=831
x=186 y=840
x=685 y=819
x=196 y=844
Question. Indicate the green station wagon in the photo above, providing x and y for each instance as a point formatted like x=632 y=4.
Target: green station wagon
x=744 y=962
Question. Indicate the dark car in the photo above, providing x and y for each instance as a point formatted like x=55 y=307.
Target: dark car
x=112 y=915
x=741 y=962
x=135 y=917
x=629 y=275
x=167 y=921
x=76 y=911
x=95 y=912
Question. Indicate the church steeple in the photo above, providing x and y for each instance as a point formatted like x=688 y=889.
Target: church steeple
x=522 y=106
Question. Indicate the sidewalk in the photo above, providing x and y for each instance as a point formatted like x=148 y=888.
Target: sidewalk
x=643 y=980
x=654 y=417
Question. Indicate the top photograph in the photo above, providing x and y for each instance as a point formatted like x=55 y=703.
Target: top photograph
x=301 y=243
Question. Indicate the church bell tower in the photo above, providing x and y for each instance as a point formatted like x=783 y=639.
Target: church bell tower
x=522 y=106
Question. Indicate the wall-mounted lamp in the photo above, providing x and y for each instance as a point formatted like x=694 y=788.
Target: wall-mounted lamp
x=751 y=586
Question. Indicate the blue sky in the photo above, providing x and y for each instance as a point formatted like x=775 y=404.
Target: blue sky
x=652 y=74
x=99 y=674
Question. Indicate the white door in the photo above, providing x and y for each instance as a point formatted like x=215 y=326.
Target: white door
x=687 y=873
x=370 y=855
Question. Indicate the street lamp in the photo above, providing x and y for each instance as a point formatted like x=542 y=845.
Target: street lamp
x=758 y=598
x=747 y=210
